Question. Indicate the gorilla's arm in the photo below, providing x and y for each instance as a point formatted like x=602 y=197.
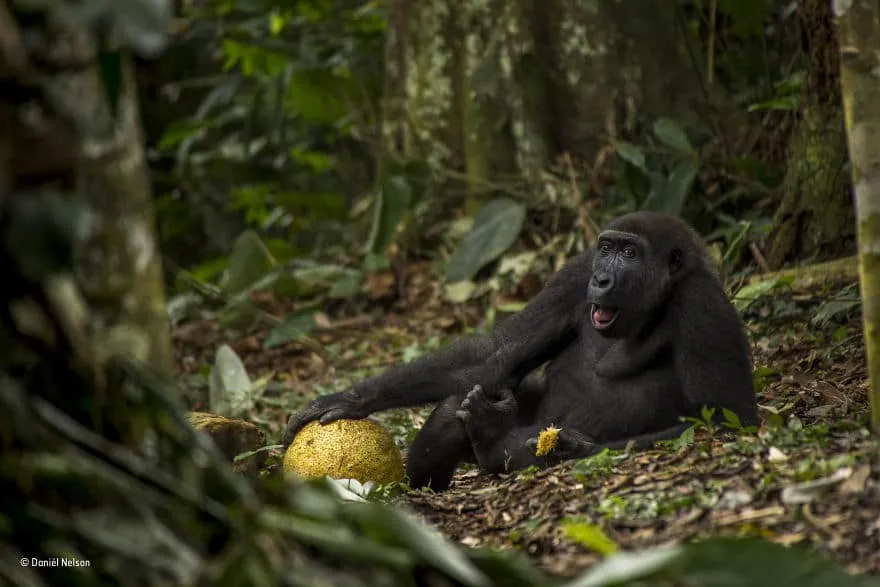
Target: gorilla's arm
x=501 y=359
x=712 y=354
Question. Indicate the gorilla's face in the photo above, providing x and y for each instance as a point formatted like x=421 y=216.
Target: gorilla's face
x=627 y=284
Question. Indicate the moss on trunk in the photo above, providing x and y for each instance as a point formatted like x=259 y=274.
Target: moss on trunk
x=860 y=72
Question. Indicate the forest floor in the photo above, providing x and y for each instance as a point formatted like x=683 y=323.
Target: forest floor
x=810 y=477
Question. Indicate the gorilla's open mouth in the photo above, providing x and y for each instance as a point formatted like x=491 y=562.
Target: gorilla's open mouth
x=603 y=317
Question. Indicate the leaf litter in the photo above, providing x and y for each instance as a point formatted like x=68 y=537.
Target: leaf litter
x=809 y=479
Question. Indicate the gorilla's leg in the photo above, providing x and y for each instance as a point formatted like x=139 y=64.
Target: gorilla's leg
x=488 y=419
x=438 y=448
x=529 y=394
x=443 y=442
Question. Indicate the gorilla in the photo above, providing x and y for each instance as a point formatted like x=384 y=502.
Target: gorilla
x=633 y=335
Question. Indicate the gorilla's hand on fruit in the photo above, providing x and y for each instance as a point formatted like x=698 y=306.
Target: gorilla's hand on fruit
x=328 y=408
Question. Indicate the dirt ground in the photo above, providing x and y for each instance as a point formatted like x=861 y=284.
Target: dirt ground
x=809 y=478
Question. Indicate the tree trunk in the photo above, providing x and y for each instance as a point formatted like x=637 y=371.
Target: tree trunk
x=497 y=92
x=118 y=267
x=860 y=81
x=815 y=215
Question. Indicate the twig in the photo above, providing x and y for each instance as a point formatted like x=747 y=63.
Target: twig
x=759 y=258
x=585 y=219
x=710 y=50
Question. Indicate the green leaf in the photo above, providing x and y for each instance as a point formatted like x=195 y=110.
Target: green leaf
x=337 y=540
x=722 y=562
x=731 y=418
x=316 y=161
x=496 y=228
x=320 y=96
x=628 y=566
x=230 y=387
x=399 y=528
x=276 y=23
x=291 y=329
x=707 y=414
x=631 y=154
x=305 y=282
x=832 y=309
x=786 y=103
x=590 y=536
x=686 y=438
x=752 y=292
x=506 y=567
x=672 y=135
x=239 y=312
x=178 y=131
x=392 y=202
x=670 y=198
x=732 y=562
x=347 y=285
x=249 y=261
x=313 y=205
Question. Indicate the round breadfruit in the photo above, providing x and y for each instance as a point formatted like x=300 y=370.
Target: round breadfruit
x=344 y=449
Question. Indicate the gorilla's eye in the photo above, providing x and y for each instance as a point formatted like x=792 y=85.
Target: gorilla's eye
x=629 y=251
x=605 y=247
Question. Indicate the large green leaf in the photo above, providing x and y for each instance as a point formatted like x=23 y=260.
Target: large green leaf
x=496 y=227
x=627 y=567
x=672 y=135
x=292 y=328
x=670 y=198
x=631 y=154
x=732 y=562
x=722 y=562
x=397 y=528
x=590 y=536
x=754 y=291
x=392 y=203
x=230 y=387
x=249 y=261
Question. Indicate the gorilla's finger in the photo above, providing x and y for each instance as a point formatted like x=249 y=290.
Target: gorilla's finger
x=506 y=404
x=335 y=414
x=504 y=395
x=325 y=409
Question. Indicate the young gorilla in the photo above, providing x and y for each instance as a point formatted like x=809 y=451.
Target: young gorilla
x=636 y=333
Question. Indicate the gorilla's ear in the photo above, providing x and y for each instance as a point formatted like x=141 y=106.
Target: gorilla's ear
x=676 y=260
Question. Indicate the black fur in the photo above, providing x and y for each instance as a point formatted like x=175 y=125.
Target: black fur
x=674 y=345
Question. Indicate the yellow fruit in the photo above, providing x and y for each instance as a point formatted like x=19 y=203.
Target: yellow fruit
x=344 y=449
x=547 y=441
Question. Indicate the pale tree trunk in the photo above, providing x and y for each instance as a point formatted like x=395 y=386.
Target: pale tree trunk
x=860 y=79
x=118 y=267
